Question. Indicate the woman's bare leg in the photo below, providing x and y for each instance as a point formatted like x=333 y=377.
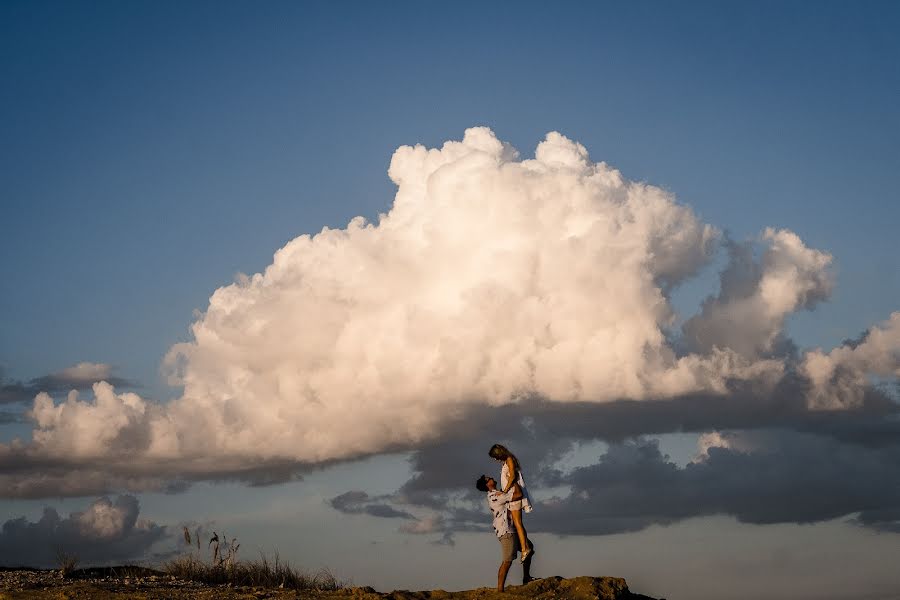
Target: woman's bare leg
x=520 y=529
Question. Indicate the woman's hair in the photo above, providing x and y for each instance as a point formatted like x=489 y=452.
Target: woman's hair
x=500 y=452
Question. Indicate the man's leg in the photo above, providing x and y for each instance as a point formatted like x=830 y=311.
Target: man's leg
x=526 y=566
x=501 y=575
x=507 y=555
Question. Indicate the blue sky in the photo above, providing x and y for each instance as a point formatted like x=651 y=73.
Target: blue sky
x=152 y=151
x=155 y=151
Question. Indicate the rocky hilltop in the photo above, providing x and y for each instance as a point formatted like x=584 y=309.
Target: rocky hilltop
x=150 y=585
x=557 y=588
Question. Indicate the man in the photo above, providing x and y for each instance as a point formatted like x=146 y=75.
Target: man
x=509 y=541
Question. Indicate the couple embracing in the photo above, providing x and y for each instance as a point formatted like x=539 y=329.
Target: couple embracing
x=507 y=502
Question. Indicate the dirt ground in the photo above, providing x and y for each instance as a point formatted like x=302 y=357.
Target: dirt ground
x=49 y=585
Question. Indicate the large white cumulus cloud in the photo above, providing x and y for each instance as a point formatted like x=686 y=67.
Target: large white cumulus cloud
x=490 y=279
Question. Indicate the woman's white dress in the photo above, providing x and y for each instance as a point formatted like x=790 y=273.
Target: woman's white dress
x=526 y=498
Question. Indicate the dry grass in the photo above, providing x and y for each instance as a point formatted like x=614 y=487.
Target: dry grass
x=225 y=568
x=262 y=573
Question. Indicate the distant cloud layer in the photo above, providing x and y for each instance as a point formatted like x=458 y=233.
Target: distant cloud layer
x=492 y=283
x=104 y=533
x=788 y=465
x=79 y=377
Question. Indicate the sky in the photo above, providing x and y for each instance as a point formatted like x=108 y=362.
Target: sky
x=651 y=247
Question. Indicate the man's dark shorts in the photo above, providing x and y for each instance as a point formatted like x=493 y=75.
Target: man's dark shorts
x=509 y=547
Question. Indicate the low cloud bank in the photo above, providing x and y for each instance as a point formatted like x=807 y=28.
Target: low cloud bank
x=797 y=469
x=492 y=283
x=106 y=532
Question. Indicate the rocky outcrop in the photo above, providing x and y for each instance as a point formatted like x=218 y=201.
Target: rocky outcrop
x=547 y=588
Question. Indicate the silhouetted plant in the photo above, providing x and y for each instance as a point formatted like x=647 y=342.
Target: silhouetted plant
x=67 y=561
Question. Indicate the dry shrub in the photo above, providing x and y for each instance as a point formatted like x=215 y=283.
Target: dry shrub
x=67 y=561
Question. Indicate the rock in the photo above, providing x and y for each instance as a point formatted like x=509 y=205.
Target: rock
x=555 y=588
x=362 y=590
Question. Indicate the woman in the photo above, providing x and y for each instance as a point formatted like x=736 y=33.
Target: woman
x=511 y=479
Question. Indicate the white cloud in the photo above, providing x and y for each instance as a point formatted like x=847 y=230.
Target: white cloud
x=748 y=314
x=85 y=372
x=77 y=428
x=839 y=377
x=425 y=525
x=711 y=439
x=729 y=440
